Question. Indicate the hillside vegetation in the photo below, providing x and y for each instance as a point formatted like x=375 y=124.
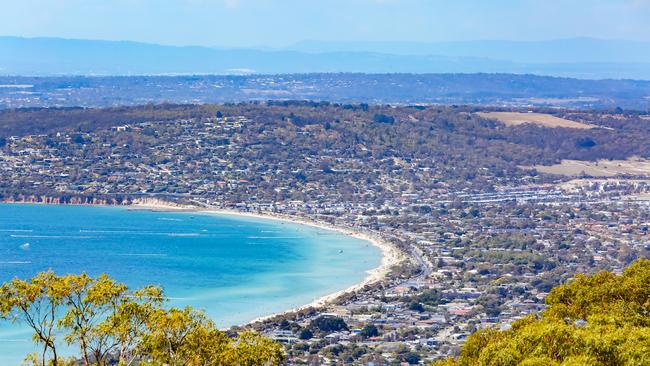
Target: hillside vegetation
x=110 y=324
x=603 y=319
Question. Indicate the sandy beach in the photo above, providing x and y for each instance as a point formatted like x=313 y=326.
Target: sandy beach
x=390 y=255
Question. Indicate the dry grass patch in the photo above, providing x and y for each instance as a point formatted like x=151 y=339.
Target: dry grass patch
x=600 y=168
x=540 y=119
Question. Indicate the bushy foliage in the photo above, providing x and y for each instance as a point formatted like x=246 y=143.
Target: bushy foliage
x=111 y=324
x=369 y=330
x=602 y=319
x=329 y=324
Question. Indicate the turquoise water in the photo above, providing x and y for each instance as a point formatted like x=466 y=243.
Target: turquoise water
x=234 y=268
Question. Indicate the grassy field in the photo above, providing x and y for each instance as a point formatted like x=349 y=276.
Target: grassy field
x=545 y=120
x=601 y=168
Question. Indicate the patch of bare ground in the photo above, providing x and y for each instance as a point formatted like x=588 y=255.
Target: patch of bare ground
x=601 y=168
x=540 y=119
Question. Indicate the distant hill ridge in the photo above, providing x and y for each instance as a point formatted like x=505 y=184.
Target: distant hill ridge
x=570 y=50
x=581 y=58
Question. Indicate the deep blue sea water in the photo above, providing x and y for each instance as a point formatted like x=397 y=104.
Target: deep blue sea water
x=234 y=268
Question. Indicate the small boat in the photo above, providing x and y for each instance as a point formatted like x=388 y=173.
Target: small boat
x=340 y=251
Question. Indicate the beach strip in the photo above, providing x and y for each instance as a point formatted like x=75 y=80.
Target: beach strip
x=391 y=255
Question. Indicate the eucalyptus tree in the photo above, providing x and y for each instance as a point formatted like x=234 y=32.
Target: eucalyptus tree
x=111 y=324
x=602 y=319
x=38 y=304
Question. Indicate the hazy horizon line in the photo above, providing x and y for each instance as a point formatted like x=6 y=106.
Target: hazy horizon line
x=306 y=40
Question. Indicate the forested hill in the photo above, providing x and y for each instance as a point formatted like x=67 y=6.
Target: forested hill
x=303 y=142
x=618 y=134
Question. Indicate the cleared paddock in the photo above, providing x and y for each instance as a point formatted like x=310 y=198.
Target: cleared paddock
x=540 y=119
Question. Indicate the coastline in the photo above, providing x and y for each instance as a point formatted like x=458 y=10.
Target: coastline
x=390 y=254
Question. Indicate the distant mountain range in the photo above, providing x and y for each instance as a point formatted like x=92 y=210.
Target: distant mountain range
x=579 y=58
x=572 y=50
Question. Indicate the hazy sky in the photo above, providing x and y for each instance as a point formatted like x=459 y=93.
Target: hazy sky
x=277 y=23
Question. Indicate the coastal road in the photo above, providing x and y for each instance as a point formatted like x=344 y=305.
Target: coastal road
x=425 y=267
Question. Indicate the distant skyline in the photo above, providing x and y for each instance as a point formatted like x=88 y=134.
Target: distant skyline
x=281 y=23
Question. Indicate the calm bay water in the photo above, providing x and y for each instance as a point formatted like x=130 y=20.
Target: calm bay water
x=234 y=268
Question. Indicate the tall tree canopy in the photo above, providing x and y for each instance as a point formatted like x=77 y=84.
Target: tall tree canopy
x=110 y=324
x=598 y=320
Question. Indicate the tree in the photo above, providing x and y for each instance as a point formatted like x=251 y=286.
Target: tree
x=329 y=324
x=585 y=142
x=411 y=357
x=252 y=349
x=111 y=324
x=182 y=337
x=78 y=139
x=131 y=321
x=416 y=306
x=369 y=330
x=383 y=118
x=187 y=337
x=36 y=303
x=305 y=334
x=429 y=297
x=92 y=305
x=600 y=319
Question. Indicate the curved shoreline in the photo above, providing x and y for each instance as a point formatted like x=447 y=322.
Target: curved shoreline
x=390 y=254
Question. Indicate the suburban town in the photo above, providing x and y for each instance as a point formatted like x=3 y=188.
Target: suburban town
x=481 y=241
x=325 y=183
